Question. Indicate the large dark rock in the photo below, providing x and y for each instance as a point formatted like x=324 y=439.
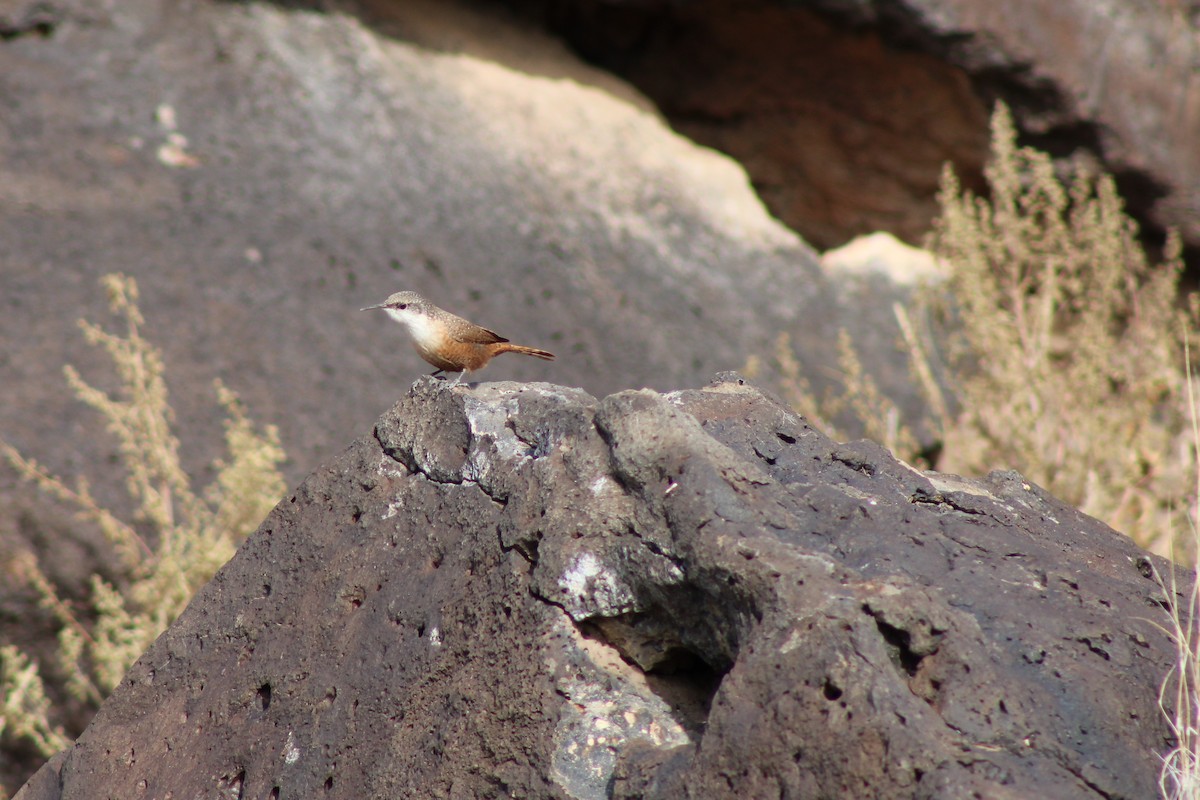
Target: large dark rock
x=517 y=591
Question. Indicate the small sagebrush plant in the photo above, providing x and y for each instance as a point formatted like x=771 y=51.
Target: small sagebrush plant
x=1061 y=345
x=1179 y=694
x=190 y=534
x=859 y=398
x=26 y=709
x=1065 y=349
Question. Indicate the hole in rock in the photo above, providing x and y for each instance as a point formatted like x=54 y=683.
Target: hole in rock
x=680 y=676
x=899 y=648
x=264 y=697
x=354 y=596
x=233 y=785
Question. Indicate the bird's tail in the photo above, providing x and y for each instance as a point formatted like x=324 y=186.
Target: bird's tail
x=509 y=347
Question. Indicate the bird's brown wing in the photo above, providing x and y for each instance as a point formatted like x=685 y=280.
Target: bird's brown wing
x=479 y=335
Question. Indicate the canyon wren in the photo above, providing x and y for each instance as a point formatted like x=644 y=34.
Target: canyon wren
x=447 y=341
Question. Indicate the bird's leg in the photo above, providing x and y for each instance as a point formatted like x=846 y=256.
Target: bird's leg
x=459 y=378
x=436 y=373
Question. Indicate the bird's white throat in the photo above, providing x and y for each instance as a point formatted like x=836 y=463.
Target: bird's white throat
x=423 y=330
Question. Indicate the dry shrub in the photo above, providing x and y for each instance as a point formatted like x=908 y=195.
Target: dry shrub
x=1064 y=345
x=1060 y=343
x=191 y=534
x=1179 y=695
x=859 y=398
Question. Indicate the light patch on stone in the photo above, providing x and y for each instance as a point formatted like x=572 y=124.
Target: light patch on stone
x=674 y=572
x=590 y=588
x=945 y=482
x=389 y=468
x=164 y=115
x=575 y=580
x=435 y=637
x=602 y=484
x=601 y=716
x=488 y=420
x=882 y=254
x=675 y=398
x=393 y=508
x=291 y=753
x=792 y=642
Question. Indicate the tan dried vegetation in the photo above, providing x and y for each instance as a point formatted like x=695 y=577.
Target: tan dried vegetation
x=189 y=534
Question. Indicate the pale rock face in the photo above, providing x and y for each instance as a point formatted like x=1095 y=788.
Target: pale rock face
x=883 y=255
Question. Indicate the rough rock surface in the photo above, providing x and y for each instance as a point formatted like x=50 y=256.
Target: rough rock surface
x=519 y=591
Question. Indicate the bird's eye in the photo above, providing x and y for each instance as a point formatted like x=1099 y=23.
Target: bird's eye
x=402 y=306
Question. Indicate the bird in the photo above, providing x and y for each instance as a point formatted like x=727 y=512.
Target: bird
x=447 y=341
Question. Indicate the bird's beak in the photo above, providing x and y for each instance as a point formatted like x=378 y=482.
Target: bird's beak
x=368 y=308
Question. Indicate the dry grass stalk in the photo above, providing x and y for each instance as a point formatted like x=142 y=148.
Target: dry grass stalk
x=192 y=535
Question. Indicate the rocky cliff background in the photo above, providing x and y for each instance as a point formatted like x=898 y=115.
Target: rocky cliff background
x=547 y=169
